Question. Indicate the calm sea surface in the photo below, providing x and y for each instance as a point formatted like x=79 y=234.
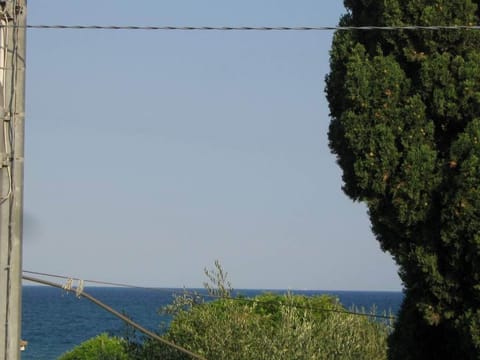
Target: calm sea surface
x=54 y=321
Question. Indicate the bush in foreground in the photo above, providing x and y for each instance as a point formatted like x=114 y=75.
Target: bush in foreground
x=266 y=327
x=272 y=327
x=269 y=326
x=101 y=347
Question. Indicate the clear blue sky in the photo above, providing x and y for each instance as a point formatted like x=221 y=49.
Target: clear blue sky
x=151 y=154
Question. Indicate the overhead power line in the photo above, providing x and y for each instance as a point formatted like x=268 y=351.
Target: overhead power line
x=80 y=293
x=195 y=294
x=99 y=282
x=296 y=306
x=254 y=28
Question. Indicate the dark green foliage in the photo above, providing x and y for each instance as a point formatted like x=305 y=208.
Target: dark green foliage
x=405 y=108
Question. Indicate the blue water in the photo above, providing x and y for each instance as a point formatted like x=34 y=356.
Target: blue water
x=54 y=321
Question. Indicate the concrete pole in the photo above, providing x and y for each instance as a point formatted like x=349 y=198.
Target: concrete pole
x=12 y=115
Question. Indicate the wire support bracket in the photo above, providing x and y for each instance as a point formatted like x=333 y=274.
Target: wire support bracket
x=5 y=159
x=7 y=116
x=12 y=69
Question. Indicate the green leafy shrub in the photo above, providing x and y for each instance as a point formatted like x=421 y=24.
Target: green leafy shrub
x=273 y=327
x=270 y=327
x=266 y=327
x=101 y=347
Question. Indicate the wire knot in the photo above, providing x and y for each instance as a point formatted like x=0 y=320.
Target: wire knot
x=68 y=285
x=79 y=289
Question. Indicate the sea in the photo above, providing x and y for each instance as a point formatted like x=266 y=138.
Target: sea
x=54 y=321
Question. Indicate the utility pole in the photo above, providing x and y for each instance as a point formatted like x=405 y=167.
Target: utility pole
x=12 y=115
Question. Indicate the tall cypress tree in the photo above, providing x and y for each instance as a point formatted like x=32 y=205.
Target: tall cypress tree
x=405 y=127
